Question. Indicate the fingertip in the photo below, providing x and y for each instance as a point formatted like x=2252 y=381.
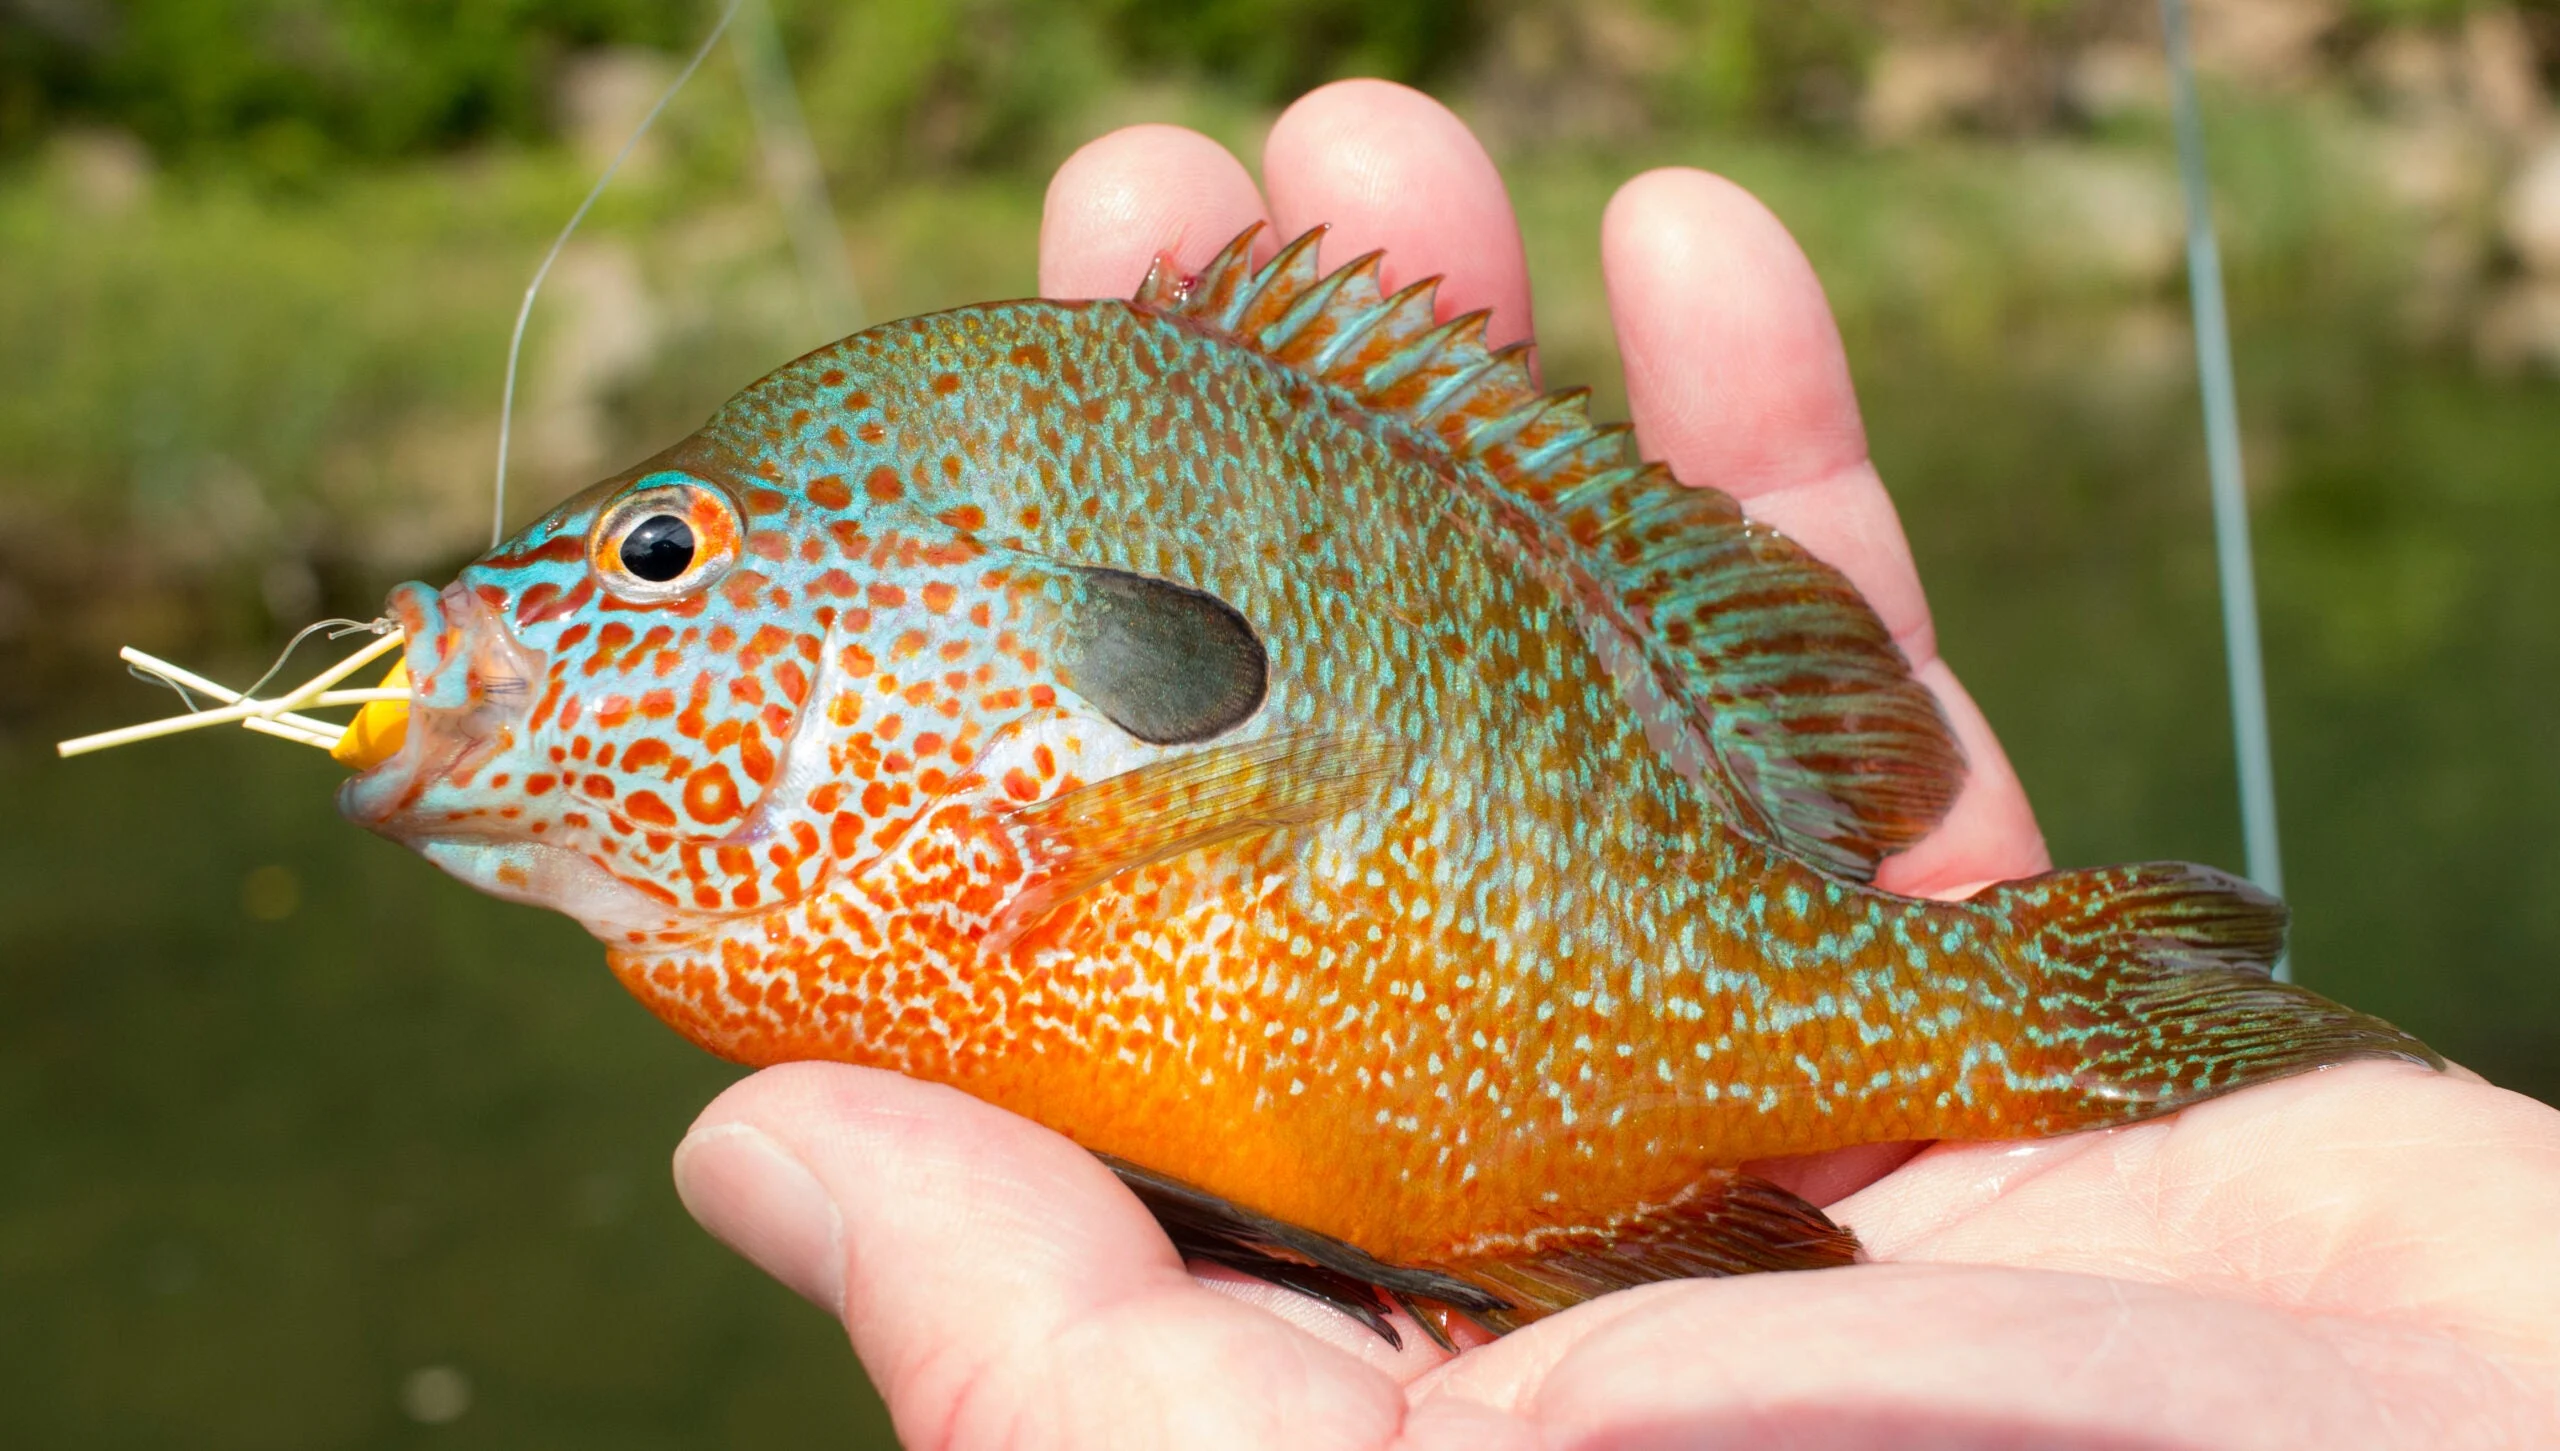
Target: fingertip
x=1389 y=169
x=938 y=1201
x=1142 y=190
x=752 y=1195
x=1735 y=371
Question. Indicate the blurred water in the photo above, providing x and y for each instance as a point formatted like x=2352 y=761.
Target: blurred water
x=313 y=1147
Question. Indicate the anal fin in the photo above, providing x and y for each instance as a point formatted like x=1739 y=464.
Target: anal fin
x=1729 y=1223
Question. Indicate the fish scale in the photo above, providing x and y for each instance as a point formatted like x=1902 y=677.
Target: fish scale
x=1250 y=730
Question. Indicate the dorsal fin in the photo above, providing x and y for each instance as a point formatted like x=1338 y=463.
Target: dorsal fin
x=1827 y=742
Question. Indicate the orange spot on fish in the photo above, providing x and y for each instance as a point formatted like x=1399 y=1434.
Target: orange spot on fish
x=883 y=486
x=710 y=796
x=769 y=641
x=609 y=643
x=741 y=587
x=536 y=606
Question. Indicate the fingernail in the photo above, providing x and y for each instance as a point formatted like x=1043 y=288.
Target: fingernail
x=760 y=1201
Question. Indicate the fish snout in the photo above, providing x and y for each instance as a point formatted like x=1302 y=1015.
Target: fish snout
x=470 y=685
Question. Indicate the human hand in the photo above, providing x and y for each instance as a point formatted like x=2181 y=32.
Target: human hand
x=2364 y=1256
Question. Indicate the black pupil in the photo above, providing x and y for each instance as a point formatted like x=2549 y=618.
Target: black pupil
x=660 y=549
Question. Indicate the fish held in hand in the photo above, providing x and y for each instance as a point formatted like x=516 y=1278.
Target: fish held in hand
x=1253 y=731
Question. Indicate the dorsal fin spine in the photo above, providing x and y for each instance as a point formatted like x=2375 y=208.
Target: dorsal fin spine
x=1309 y=342
x=1280 y=339
x=1399 y=367
x=1211 y=293
x=1276 y=289
x=1603 y=443
x=1447 y=395
x=1373 y=337
x=1502 y=428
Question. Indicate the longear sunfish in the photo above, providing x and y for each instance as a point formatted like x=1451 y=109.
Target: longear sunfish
x=1252 y=731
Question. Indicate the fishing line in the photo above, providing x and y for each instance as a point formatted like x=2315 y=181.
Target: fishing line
x=2249 y=739
x=337 y=629
x=791 y=166
x=515 y=342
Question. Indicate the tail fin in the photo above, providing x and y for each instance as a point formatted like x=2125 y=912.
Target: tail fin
x=2155 y=980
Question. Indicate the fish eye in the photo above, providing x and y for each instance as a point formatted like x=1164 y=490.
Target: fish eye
x=667 y=536
x=659 y=548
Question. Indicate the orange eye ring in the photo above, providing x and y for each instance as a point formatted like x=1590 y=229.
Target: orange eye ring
x=668 y=536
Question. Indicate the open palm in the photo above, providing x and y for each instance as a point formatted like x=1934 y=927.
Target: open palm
x=2364 y=1256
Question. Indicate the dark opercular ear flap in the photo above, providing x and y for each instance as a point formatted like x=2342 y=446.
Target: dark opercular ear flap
x=1167 y=664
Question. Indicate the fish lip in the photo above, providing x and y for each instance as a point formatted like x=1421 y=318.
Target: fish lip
x=440 y=631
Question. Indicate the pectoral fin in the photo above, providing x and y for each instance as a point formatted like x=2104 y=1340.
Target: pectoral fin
x=1085 y=836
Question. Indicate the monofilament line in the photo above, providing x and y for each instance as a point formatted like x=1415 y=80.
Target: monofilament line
x=533 y=289
x=2251 y=747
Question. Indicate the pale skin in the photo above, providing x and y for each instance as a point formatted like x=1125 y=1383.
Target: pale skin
x=2363 y=1257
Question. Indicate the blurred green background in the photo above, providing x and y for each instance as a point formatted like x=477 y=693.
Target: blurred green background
x=311 y=1147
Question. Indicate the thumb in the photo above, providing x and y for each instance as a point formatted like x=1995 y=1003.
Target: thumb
x=999 y=1284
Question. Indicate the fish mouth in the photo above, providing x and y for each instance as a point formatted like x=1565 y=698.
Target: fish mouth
x=470 y=685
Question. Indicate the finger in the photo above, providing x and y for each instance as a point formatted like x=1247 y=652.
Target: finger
x=1905 y=1355
x=2365 y=1189
x=997 y=1280
x=1140 y=191
x=1737 y=379
x=1388 y=168
x=1736 y=375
